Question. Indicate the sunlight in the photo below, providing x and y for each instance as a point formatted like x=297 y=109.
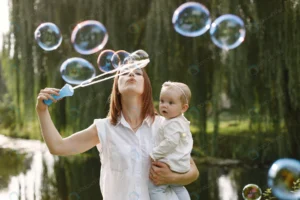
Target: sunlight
x=4 y=19
x=227 y=188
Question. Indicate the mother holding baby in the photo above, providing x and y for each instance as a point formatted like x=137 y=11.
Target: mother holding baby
x=124 y=140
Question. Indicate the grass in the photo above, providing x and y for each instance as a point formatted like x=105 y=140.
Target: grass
x=225 y=127
x=231 y=126
x=30 y=130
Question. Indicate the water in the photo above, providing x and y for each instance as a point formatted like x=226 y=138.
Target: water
x=28 y=171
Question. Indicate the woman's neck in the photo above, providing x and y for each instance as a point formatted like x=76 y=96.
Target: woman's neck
x=132 y=110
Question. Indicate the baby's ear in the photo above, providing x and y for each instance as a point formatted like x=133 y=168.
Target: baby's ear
x=185 y=107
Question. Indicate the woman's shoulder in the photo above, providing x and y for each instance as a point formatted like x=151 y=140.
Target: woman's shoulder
x=158 y=120
x=101 y=120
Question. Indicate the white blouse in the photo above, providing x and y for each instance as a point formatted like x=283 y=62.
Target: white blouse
x=125 y=160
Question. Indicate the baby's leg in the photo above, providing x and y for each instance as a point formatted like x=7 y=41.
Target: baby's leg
x=157 y=192
x=181 y=192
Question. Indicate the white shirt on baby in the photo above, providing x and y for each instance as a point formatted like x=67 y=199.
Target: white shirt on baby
x=125 y=160
x=174 y=143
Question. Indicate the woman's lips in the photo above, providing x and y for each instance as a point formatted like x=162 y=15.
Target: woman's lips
x=131 y=80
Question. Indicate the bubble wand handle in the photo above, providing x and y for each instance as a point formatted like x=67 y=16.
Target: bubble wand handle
x=65 y=91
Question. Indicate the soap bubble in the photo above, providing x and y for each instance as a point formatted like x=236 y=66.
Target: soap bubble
x=227 y=31
x=281 y=177
x=119 y=58
x=76 y=70
x=139 y=55
x=251 y=192
x=134 y=196
x=48 y=36
x=89 y=36
x=191 y=19
x=104 y=61
x=13 y=196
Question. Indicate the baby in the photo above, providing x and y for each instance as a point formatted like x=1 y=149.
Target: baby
x=174 y=142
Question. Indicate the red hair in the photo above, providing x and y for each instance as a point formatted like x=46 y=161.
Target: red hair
x=115 y=106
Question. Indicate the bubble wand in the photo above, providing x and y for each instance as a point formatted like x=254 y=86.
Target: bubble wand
x=68 y=90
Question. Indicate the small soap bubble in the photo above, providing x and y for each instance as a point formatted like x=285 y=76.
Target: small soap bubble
x=119 y=57
x=134 y=196
x=251 y=192
x=74 y=196
x=227 y=31
x=48 y=36
x=139 y=55
x=104 y=61
x=13 y=196
x=77 y=70
x=191 y=19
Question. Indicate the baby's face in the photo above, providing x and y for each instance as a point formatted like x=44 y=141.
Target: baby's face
x=170 y=105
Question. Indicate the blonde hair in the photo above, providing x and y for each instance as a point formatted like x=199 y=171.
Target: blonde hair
x=186 y=94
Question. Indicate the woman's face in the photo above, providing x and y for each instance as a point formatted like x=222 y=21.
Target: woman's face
x=131 y=82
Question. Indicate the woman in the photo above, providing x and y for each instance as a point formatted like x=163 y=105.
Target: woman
x=124 y=140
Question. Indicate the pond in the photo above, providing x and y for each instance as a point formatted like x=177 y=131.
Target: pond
x=28 y=171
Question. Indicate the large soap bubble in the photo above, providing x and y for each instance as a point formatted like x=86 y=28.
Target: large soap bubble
x=281 y=177
x=89 y=37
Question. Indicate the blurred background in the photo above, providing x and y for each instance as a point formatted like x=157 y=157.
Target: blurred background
x=244 y=112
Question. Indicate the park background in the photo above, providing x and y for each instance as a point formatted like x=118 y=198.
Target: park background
x=245 y=107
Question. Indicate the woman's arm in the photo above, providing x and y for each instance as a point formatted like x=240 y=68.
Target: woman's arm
x=160 y=174
x=74 y=144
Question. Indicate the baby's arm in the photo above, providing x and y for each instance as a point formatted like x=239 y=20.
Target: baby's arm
x=172 y=134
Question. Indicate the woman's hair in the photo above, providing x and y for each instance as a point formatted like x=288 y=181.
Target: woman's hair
x=115 y=107
x=185 y=91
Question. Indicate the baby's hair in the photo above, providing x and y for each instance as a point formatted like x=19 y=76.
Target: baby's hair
x=186 y=94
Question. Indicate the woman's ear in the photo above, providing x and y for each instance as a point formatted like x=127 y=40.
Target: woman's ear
x=185 y=107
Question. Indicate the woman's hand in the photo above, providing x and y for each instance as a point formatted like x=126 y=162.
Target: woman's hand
x=160 y=173
x=45 y=94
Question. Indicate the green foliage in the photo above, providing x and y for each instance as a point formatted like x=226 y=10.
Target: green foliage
x=296 y=185
x=12 y=164
x=268 y=193
x=258 y=80
x=8 y=112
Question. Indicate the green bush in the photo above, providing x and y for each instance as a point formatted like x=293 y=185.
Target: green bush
x=269 y=196
x=8 y=113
